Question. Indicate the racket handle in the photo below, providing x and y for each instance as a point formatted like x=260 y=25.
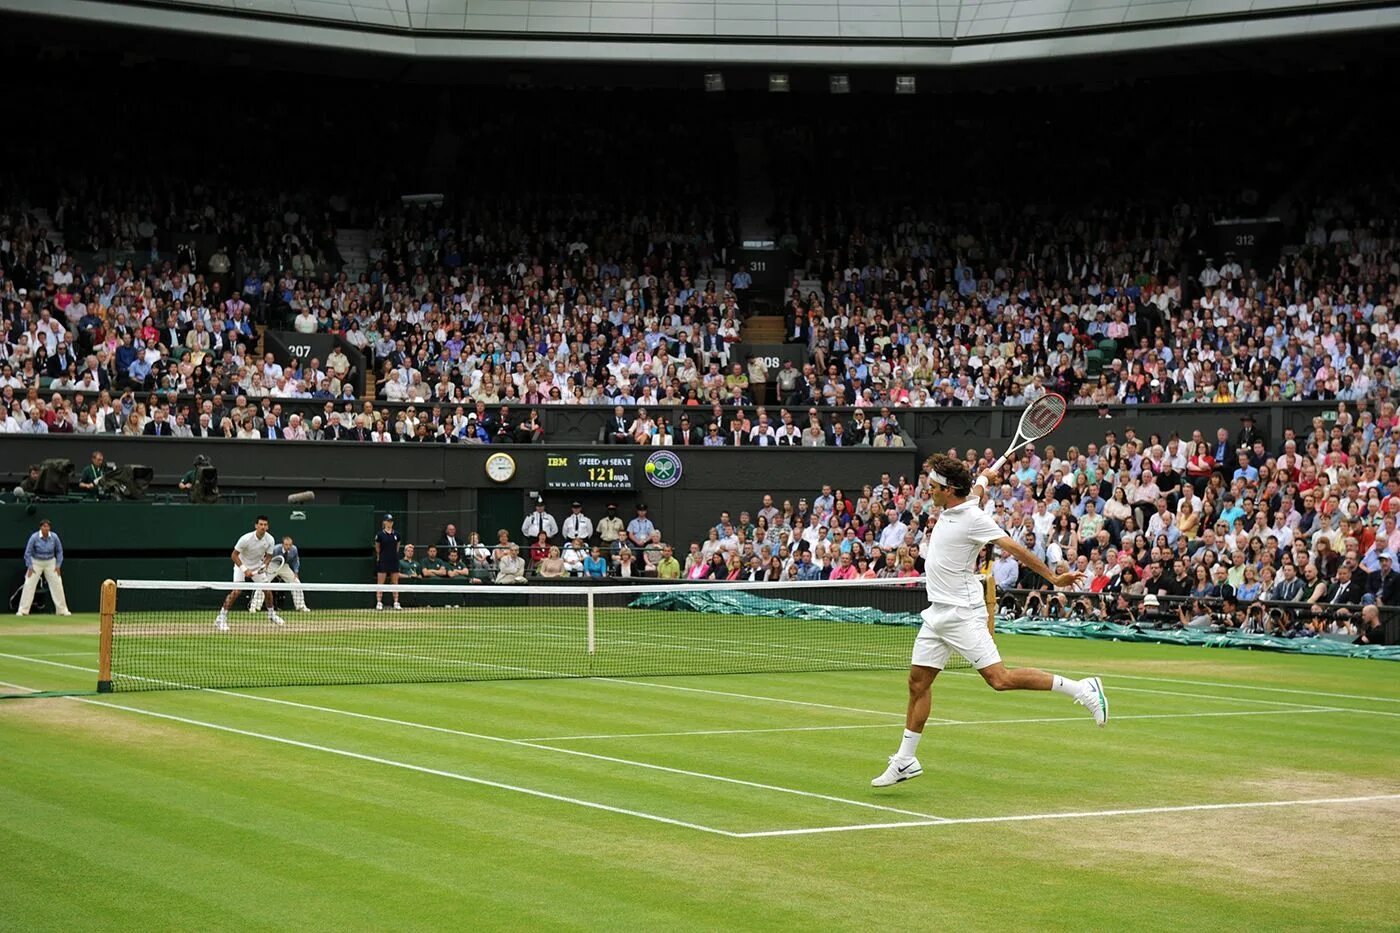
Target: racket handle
x=1001 y=462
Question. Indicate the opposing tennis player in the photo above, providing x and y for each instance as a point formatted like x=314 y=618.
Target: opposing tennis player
x=250 y=558
x=956 y=619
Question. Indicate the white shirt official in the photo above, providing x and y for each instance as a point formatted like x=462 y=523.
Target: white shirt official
x=578 y=526
x=951 y=555
x=536 y=522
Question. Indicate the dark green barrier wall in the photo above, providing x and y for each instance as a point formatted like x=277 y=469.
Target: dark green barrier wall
x=146 y=528
x=82 y=577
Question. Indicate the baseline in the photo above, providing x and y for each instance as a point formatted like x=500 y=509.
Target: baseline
x=1077 y=815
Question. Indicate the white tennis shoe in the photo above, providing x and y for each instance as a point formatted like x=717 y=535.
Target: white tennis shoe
x=900 y=769
x=379 y=607
x=275 y=619
x=303 y=608
x=397 y=606
x=1094 y=699
x=221 y=624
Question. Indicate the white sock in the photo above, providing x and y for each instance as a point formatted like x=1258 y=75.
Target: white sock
x=1069 y=688
x=909 y=745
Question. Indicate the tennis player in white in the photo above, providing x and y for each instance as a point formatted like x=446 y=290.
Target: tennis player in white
x=956 y=619
x=250 y=555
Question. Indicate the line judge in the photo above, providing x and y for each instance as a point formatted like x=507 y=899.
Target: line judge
x=43 y=555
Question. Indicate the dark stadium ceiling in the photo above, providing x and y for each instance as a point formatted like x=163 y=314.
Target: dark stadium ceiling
x=898 y=34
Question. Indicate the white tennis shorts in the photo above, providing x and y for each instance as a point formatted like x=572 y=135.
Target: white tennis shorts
x=954 y=628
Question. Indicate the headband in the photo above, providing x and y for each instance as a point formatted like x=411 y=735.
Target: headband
x=938 y=478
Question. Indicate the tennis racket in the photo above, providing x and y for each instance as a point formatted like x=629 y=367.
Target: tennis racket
x=1040 y=418
x=270 y=569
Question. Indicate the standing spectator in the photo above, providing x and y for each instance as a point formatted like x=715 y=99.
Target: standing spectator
x=43 y=555
x=639 y=529
x=758 y=380
x=539 y=521
x=611 y=528
x=577 y=525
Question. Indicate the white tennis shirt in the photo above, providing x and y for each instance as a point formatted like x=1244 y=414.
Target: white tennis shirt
x=253 y=551
x=950 y=560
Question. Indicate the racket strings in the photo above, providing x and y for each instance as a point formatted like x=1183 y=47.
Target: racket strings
x=1044 y=414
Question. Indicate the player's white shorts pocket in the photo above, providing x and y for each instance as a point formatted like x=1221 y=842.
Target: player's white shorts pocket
x=954 y=628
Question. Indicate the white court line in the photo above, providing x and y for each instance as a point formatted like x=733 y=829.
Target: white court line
x=59 y=654
x=592 y=805
x=748 y=696
x=943 y=723
x=523 y=743
x=1080 y=815
x=1229 y=686
x=1110 y=686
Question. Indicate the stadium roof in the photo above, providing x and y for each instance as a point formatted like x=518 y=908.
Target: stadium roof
x=908 y=33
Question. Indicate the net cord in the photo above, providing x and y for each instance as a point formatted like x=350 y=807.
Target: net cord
x=582 y=590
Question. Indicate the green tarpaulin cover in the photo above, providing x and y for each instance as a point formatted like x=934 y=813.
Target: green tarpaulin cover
x=739 y=602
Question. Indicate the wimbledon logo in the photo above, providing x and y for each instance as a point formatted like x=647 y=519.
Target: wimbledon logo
x=663 y=469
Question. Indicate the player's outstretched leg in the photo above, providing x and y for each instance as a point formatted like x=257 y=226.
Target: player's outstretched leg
x=1088 y=693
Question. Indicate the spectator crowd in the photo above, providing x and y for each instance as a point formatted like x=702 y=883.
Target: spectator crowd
x=131 y=304
x=1218 y=532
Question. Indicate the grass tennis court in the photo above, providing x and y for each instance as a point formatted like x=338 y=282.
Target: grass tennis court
x=732 y=801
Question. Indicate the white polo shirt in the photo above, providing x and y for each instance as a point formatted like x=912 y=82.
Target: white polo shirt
x=951 y=556
x=253 y=551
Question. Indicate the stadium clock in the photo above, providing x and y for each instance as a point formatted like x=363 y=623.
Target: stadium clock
x=500 y=467
x=588 y=471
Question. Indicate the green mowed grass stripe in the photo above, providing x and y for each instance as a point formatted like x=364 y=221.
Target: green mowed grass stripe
x=287 y=838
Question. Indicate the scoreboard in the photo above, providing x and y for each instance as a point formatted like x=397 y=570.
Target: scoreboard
x=589 y=471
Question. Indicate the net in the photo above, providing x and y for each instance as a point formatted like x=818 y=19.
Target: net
x=163 y=635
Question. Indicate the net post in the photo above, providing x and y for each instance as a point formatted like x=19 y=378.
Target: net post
x=108 y=609
x=592 y=626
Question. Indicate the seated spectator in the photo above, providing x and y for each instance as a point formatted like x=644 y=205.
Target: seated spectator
x=433 y=566
x=667 y=568
x=410 y=568
x=510 y=568
x=595 y=565
x=552 y=565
